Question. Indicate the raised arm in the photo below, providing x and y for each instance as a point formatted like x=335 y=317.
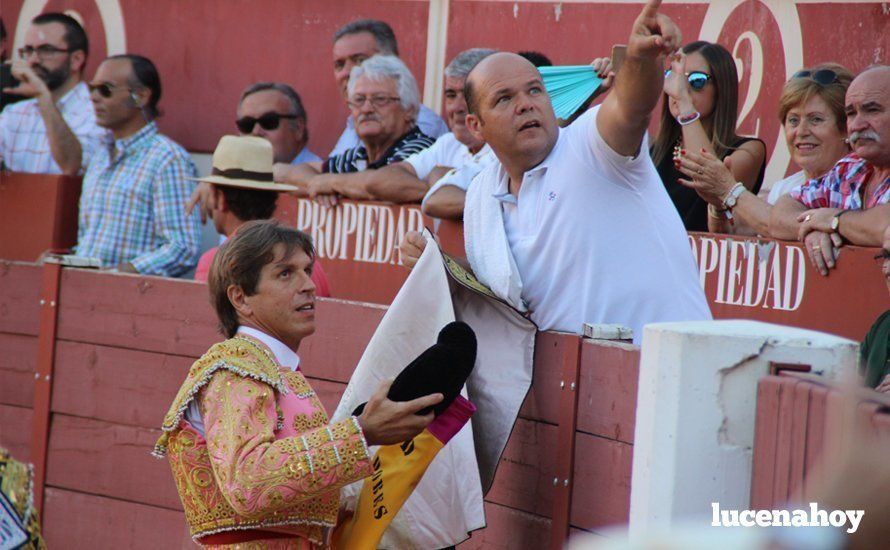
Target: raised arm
x=625 y=113
x=63 y=144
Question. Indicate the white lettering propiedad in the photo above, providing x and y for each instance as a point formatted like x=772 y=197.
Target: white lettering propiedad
x=814 y=517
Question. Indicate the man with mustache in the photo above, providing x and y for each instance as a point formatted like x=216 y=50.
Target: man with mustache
x=355 y=42
x=384 y=99
x=569 y=222
x=850 y=203
x=410 y=179
x=54 y=132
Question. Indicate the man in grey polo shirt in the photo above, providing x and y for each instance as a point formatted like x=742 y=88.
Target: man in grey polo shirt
x=573 y=225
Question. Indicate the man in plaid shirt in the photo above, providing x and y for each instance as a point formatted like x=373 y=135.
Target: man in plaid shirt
x=850 y=203
x=131 y=206
x=55 y=132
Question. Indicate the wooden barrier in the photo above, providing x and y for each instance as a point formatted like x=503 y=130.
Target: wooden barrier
x=743 y=277
x=122 y=348
x=799 y=419
x=358 y=242
x=37 y=212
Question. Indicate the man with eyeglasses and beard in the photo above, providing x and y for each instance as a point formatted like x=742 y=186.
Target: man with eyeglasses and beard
x=54 y=132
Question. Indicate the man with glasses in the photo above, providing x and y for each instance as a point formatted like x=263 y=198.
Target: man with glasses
x=274 y=111
x=355 y=42
x=131 y=213
x=55 y=131
x=384 y=100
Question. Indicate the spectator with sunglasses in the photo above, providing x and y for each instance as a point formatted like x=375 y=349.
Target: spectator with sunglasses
x=851 y=202
x=811 y=109
x=274 y=111
x=55 y=131
x=131 y=213
x=700 y=112
x=384 y=99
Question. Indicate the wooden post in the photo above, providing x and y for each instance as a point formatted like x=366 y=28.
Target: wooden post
x=563 y=480
x=43 y=377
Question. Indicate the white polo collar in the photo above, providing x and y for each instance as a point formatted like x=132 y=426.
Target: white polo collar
x=502 y=188
x=285 y=356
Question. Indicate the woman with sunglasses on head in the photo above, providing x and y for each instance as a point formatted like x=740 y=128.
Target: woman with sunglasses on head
x=700 y=112
x=811 y=109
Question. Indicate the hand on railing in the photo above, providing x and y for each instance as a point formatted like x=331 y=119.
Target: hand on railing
x=411 y=248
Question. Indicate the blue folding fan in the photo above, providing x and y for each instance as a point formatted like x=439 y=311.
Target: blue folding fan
x=570 y=87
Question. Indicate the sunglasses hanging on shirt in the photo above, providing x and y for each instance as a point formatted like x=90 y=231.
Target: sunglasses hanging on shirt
x=267 y=121
x=697 y=79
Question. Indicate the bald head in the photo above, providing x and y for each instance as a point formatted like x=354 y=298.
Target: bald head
x=492 y=66
x=511 y=111
x=868 y=115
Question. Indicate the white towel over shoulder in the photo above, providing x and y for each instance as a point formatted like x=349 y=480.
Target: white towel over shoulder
x=485 y=239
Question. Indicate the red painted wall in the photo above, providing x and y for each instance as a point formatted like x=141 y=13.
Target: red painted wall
x=208 y=51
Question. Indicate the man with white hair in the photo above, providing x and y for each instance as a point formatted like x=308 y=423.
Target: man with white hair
x=384 y=99
x=449 y=164
x=355 y=42
x=850 y=203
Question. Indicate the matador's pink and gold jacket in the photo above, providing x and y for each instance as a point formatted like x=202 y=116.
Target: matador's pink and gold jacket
x=268 y=459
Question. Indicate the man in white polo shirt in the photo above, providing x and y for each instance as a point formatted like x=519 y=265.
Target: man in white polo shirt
x=574 y=225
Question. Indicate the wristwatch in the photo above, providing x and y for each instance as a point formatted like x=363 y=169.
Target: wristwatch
x=836 y=220
x=733 y=196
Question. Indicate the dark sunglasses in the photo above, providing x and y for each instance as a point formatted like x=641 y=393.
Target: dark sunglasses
x=268 y=121
x=105 y=89
x=824 y=77
x=697 y=79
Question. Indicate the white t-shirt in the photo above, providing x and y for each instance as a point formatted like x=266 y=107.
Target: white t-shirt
x=596 y=238
x=429 y=123
x=783 y=187
x=447 y=151
x=462 y=176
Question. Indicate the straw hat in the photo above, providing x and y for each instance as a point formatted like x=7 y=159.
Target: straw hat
x=246 y=162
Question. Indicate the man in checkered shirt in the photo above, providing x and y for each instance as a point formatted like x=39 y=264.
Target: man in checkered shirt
x=134 y=190
x=850 y=204
x=55 y=131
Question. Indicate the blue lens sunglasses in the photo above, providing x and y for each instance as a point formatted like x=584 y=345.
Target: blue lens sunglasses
x=697 y=79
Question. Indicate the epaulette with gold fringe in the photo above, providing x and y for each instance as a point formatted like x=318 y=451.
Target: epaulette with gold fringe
x=241 y=356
